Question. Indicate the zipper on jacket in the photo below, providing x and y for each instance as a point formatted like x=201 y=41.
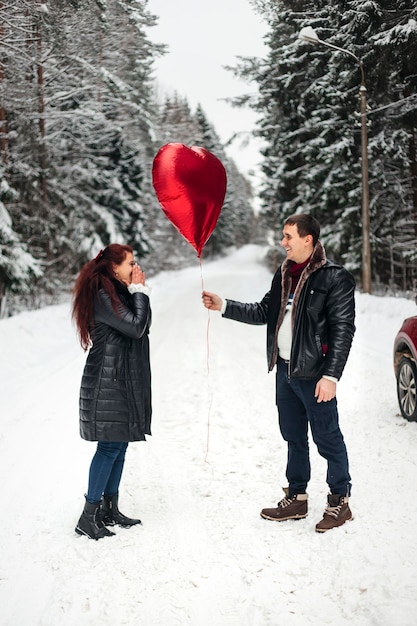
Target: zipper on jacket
x=301 y=302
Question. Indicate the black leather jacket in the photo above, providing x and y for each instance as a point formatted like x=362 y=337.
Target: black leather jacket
x=323 y=316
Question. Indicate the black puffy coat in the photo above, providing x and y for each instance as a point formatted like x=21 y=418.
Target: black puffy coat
x=323 y=316
x=115 y=394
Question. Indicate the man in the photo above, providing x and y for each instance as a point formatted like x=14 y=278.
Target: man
x=310 y=313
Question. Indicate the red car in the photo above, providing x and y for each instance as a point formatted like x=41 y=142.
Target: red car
x=405 y=367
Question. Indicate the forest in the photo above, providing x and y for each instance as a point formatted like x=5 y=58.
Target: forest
x=308 y=100
x=81 y=119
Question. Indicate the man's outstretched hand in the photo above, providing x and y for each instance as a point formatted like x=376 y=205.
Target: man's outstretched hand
x=211 y=301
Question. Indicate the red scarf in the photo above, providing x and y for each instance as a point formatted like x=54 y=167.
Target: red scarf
x=296 y=269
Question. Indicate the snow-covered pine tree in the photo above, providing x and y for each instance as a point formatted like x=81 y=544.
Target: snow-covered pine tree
x=308 y=99
x=76 y=99
x=236 y=221
x=308 y=105
x=393 y=144
x=105 y=123
x=17 y=266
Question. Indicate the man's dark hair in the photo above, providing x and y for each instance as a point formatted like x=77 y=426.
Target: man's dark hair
x=306 y=225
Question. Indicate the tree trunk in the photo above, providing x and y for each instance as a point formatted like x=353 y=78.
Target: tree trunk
x=41 y=110
x=413 y=169
x=3 y=292
x=3 y=127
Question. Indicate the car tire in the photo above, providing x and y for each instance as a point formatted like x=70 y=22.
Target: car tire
x=406 y=389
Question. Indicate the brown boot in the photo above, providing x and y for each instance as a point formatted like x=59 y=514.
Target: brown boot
x=336 y=513
x=288 y=508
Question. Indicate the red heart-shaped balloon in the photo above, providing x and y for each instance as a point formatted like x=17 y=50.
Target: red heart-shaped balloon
x=190 y=184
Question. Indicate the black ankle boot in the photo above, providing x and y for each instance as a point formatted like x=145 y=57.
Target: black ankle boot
x=110 y=514
x=90 y=523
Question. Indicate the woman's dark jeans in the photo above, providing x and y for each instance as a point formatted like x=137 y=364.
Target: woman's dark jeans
x=297 y=407
x=106 y=470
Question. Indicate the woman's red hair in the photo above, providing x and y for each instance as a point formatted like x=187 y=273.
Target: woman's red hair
x=94 y=275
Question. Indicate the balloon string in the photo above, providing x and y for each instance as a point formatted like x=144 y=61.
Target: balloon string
x=208 y=323
x=208 y=369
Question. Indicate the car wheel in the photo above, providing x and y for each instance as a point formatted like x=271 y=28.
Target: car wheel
x=406 y=389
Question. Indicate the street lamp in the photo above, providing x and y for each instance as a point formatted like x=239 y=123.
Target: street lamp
x=309 y=34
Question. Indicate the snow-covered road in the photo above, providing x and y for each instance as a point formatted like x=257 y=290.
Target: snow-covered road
x=203 y=556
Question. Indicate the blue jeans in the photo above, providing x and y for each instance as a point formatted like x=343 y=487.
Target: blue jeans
x=297 y=407
x=106 y=470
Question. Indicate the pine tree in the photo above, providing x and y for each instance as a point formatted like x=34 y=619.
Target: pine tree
x=236 y=220
x=393 y=144
x=79 y=128
x=17 y=265
x=77 y=101
x=308 y=104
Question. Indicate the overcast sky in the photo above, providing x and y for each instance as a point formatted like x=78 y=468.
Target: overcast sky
x=203 y=36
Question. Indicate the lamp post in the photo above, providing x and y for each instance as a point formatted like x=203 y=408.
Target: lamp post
x=309 y=34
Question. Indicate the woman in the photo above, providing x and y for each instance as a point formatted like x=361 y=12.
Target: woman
x=112 y=313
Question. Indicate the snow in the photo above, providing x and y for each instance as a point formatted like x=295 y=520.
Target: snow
x=203 y=556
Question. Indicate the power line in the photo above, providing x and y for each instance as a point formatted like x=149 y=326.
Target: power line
x=392 y=104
